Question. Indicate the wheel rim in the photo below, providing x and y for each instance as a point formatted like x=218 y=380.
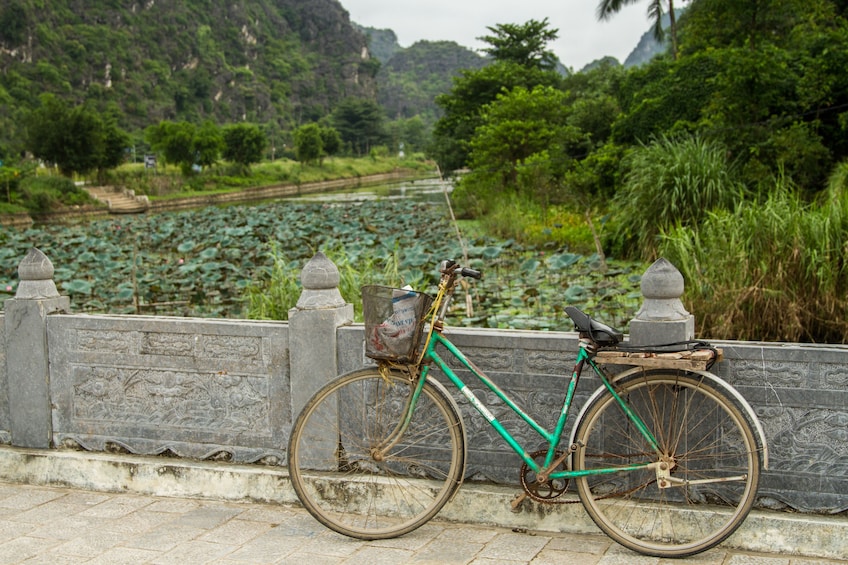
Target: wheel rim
x=355 y=480
x=702 y=437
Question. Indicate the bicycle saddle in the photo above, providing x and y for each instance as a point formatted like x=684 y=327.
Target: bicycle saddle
x=602 y=334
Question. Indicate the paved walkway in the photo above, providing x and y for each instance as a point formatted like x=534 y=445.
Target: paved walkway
x=56 y=526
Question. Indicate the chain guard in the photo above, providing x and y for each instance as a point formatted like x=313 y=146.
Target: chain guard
x=548 y=491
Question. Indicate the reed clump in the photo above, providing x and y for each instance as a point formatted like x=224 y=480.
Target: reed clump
x=772 y=269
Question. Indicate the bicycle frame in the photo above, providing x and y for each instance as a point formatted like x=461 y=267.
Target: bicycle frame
x=552 y=438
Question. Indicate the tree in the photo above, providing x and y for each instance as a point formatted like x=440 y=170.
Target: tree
x=186 y=145
x=331 y=141
x=207 y=143
x=463 y=104
x=523 y=146
x=608 y=8
x=244 y=144
x=76 y=139
x=520 y=60
x=360 y=123
x=115 y=142
x=308 y=146
x=174 y=141
x=522 y=44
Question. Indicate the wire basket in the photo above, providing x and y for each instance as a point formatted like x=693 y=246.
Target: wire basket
x=394 y=322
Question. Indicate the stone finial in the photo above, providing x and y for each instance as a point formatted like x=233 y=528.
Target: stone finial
x=36 y=277
x=662 y=287
x=320 y=280
x=662 y=318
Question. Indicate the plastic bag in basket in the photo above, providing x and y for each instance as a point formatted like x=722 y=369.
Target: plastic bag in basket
x=395 y=335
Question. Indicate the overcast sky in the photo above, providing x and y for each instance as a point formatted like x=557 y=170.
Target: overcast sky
x=582 y=38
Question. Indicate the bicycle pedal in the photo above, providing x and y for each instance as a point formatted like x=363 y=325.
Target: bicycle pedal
x=516 y=502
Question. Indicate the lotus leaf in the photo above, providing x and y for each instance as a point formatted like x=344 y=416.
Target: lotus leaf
x=209 y=253
x=77 y=286
x=492 y=252
x=530 y=265
x=562 y=260
x=574 y=293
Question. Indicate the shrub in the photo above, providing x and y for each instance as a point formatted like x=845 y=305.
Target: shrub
x=671 y=182
x=44 y=194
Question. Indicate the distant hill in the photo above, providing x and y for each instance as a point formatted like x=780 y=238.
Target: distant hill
x=409 y=81
x=648 y=47
x=279 y=62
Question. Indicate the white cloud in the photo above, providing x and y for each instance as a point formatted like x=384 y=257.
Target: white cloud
x=582 y=38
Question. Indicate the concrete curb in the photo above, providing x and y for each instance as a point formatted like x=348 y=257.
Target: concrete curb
x=763 y=531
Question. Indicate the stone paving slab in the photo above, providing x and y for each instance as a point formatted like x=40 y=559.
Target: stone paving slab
x=41 y=524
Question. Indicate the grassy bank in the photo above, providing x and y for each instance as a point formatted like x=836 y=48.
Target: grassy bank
x=39 y=191
x=167 y=182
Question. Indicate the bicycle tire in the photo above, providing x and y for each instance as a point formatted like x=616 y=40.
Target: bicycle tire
x=706 y=437
x=366 y=493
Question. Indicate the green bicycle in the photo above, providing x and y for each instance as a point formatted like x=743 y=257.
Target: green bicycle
x=666 y=461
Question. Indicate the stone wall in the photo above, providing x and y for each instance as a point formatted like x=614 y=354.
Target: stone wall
x=228 y=389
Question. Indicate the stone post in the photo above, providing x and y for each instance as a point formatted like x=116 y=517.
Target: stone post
x=27 y=368
x=312 y=330
x=662 y=318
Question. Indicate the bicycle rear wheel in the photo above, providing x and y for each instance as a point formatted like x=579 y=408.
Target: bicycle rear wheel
x=707 y=445
x=355 y=468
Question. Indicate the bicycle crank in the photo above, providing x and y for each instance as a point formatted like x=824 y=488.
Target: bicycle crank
x=543 y=488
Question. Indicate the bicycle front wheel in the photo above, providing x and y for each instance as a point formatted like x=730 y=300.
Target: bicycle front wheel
x=701 y=484
x=361 y=469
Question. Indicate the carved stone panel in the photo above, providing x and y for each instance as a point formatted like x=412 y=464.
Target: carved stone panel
x=199 y=388
x=800 y=396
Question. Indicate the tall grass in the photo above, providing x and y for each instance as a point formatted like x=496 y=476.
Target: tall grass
x=772 y=270
x=671 y=182
x=277 y=290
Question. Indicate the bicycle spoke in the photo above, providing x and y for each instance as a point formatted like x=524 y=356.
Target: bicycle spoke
x=710 y=452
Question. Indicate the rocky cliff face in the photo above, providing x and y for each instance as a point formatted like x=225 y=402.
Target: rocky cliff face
x=283 y=61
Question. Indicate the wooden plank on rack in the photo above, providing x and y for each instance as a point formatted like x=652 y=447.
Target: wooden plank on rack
x=688 y=360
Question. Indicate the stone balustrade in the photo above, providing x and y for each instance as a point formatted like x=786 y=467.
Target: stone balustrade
x=228 y=390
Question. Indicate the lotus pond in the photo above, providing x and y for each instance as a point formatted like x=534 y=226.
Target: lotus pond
x=200 y=263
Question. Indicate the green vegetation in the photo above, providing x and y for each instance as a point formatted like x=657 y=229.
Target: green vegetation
x=313 y=142
x=717 y=154
x=78 y=140
x=246 y=260
x=785 y=278
x=167 y=182
x=746 y=115
x=679 y=182
x=30 y=191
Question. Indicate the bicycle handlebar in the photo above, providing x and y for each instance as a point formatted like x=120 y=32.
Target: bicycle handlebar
x=467 y=272
x=449 y=266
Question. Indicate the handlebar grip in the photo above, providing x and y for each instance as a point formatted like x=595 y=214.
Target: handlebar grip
x=466 y=272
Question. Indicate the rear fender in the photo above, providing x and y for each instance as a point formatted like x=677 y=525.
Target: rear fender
x=716 y=381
